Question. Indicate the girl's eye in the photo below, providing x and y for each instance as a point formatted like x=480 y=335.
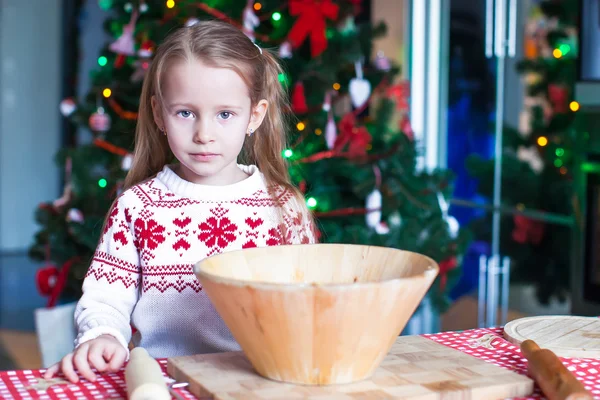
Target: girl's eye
x=185 y=114
x=225 y=115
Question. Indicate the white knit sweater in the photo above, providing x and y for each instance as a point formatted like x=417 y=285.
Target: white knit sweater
x=142 y=271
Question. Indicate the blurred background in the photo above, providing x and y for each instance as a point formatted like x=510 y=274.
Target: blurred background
x=460 y=129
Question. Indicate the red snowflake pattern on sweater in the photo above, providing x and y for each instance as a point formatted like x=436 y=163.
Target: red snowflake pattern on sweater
x=217 y=232
x=148 y=235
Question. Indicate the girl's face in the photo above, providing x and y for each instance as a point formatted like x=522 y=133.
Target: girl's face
x=206 y=114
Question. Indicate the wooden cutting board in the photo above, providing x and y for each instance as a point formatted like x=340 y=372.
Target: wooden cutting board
x=415 y=368
x=565 y=335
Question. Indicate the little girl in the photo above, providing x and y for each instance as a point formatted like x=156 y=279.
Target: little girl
x=211 y=96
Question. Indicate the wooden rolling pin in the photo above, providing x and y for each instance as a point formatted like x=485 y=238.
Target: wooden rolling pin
x=555 y=380
x=144 y=377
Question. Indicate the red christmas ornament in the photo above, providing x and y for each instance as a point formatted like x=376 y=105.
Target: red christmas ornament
x=146 y=49
x=100 y=121
x=558 y=95
x=356 y=137
x=311 y=21
x=45 y=279
x=446 y=266
x=299 y=99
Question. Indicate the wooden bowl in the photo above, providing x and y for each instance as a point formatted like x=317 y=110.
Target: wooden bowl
x=316 y=314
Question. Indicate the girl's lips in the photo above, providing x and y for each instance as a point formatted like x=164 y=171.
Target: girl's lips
x=203 y=157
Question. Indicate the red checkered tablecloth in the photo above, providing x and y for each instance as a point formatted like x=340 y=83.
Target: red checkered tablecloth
x=486 y=344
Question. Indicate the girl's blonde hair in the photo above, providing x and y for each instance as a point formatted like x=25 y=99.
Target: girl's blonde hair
x=219 y=44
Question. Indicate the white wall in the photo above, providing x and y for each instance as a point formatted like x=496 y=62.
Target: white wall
x=30 y=73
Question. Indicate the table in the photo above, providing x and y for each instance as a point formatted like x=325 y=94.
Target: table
x=485 y=344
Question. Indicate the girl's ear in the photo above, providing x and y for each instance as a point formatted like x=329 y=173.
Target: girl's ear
x=157 y=113
x=257 y=115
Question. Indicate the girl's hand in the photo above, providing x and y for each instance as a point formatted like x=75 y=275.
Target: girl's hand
x=104 y=353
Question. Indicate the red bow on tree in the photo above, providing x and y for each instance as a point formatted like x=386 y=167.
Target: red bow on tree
x=311 y=20
x=356 y=137
x=446 y=266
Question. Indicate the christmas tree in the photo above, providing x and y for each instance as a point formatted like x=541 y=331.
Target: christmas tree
x=350 y=149
x=538 y=155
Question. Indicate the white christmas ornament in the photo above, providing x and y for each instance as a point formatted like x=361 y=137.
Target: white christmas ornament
x=125 y=44
x=285 y=50
x=126 y=162
x=525 y=123
x=382 y=228
x=453 y=225
x=75 y=215
x=67 y=107
x=330 y=132
x=359 y=88
x=374 y=201
x=532 y=157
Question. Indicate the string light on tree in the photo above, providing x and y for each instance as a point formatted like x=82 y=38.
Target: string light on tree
x=336 y=86
x=283 y=79
x=574 y=106
x=170 y=3
x=542 y=141
x=105 y=4
x=300 y=126
x=287 y=153
x=276 y=16
x=311 y=202
x=257 y=6
x=560 y=152
x=102 y=61
x=557 y=53
x=558 y=163
x=107 y=93
x=102 y=182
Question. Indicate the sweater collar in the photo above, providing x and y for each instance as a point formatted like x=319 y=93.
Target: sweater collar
x=184 y=188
